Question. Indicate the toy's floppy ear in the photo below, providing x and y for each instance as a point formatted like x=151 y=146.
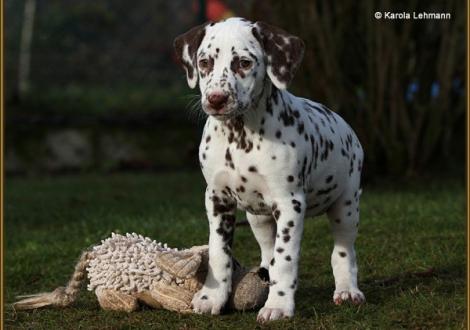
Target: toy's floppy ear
x=186 y=46
x=284 y=52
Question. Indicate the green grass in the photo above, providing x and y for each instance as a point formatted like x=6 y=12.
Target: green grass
x=404 y=230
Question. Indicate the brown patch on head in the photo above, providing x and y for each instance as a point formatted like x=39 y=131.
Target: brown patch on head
x=235 y=67
x=206 y=66
x=192 y=39
x=284 y=52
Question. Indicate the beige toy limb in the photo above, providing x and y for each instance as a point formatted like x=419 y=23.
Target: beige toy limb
x=114 y=300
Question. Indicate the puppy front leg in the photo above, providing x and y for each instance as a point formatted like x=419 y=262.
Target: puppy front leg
x=289 y=214
x=221 y=215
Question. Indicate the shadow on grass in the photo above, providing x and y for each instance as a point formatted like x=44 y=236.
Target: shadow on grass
x=381 y=290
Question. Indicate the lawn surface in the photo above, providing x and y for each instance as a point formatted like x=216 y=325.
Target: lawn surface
x=411 y=252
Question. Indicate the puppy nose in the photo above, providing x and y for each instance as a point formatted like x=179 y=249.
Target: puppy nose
x=217 y=100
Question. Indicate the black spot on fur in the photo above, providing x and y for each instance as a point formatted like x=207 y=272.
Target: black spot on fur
x=293 y=284
x=327 y=190
x=263 y=273
x=297 y=206
x=287 y=119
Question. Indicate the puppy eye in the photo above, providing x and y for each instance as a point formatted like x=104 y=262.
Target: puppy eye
x=203 y=64
x=245 y=64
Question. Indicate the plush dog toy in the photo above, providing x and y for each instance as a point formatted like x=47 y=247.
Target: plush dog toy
x=127 y=270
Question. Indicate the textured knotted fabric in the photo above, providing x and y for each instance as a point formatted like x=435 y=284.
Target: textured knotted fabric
x=124 y=271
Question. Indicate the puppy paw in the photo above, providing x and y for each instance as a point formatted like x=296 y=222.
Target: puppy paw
x=209 y=301
x=267 y=314
x=353 y=295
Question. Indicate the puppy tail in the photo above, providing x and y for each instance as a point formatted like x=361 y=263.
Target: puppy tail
x=60 y=297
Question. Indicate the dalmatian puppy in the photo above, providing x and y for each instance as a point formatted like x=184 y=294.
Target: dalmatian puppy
x=279 y=157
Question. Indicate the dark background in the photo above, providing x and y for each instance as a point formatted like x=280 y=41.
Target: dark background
x=103 y=92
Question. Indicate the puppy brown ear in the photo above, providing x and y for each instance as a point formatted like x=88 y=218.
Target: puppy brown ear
x=186 y=46
x=284 y=52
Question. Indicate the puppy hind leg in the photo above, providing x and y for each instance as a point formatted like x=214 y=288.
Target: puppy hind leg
x=264 y=230
x=344 y=221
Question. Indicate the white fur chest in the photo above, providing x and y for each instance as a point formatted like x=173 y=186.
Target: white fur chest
x=236 y=158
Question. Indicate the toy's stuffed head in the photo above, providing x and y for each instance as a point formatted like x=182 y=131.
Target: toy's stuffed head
x=249 y=289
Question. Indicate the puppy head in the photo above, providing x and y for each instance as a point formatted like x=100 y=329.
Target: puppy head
x=232 y=58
